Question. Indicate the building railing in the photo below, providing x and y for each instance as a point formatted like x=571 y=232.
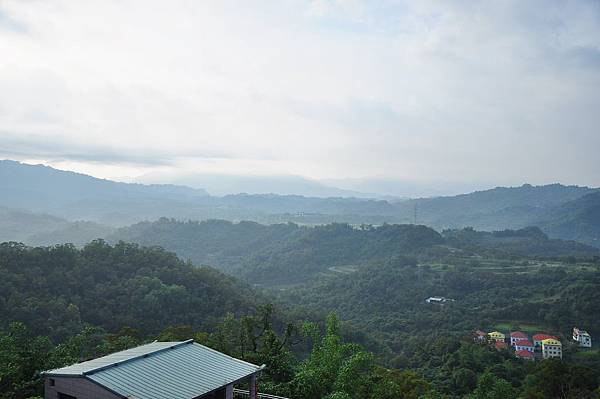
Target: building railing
x=240 y=393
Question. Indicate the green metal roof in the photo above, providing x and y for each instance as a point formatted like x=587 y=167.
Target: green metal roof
x=175 y=370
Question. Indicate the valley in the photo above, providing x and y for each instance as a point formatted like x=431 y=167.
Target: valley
x=299 y=199
x=282 y=293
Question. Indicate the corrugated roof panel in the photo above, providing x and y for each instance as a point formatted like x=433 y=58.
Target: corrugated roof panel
x=85 y=367
x=186 y=371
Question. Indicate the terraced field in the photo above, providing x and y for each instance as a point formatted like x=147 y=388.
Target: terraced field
x=504 y=266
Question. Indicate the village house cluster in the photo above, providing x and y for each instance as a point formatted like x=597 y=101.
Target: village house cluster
x=544 y=345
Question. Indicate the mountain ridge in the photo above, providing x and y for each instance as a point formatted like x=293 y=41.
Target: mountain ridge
x=79 y=197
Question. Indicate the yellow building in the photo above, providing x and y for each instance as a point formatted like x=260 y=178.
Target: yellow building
x=497 y=336
x=551 y=348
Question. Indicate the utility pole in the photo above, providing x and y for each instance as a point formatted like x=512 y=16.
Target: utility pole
x=415 y=216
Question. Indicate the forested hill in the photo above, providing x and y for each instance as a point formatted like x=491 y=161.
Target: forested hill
x=58 y=290
x=495 y=209
x=60 y=305
x=281 y=252
x=38 y=229
x=387 y=299
x=529 y=242
x=288 y=253
x=576 y=220
x=19 y=225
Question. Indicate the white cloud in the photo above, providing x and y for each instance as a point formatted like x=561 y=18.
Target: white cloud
x=504 y=92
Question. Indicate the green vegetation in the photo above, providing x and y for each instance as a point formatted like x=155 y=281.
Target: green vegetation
x=40 y=229
x=577 y=220
x=528 y=242
x=58 y=290
x=62 y=304
x=588 y=354
x=386 y=300
x=332 y=368
x=280 y=254
x=496 y=209
x=516 y=325
x=286 y=254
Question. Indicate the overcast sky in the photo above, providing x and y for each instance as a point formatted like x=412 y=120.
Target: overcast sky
x=502 y=92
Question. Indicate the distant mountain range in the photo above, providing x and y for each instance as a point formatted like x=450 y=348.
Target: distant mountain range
x=76 y=196
x=48 y=201
x=374 y=188
x=42 y=229
x=223 y=184
x=498 y=208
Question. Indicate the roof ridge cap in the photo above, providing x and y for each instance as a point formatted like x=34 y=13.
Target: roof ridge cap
x=142 y=356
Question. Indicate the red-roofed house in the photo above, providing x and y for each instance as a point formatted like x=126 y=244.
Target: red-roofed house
x=523 y=345
x=538 y=338
x=501 y=345
x=524 y=355
x=517 y=336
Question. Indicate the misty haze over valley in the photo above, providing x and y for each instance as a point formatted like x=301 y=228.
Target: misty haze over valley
x=305 y=199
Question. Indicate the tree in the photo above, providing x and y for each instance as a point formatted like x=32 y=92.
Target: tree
x=399 y=384
x=22 y=356
x=491 y=387
x=557 y=379
x=331 y=364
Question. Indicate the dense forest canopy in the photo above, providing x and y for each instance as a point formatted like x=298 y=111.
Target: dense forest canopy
x=387 y=298
x=262 y=292
x=58 y=290
x=289 y=253
x=496 y=209
x=279 y=253
x=577 y=220
x=61 y=305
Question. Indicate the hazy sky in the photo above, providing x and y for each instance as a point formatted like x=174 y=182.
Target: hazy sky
x=466 y=91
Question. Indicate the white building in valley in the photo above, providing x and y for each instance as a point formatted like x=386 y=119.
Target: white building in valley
x=584 y=339
x=438 y=299
x=551 y=348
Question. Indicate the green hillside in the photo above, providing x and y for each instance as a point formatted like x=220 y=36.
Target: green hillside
x=387 y=298
x=59 y=305
x=58 y=290
x=42 y=229
x=287 y=253
x=18 y=225
x=577 y=220
x=495 y=209
x=530 y=242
